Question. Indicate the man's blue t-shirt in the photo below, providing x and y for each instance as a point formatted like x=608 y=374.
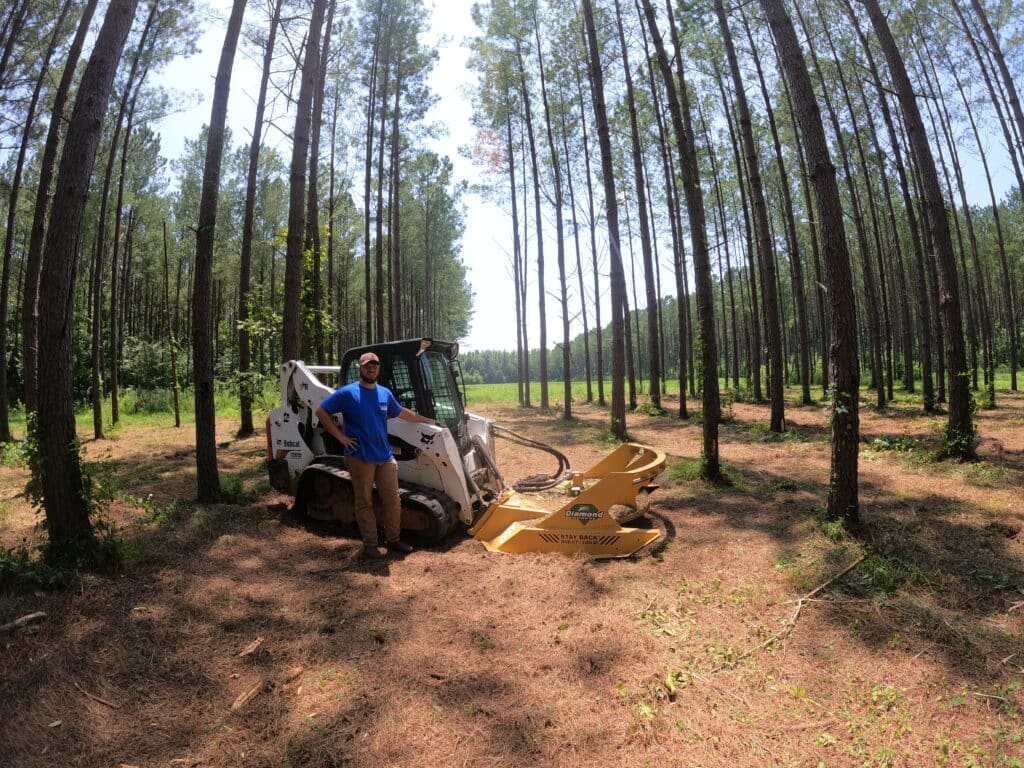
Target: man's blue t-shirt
x=365 y=412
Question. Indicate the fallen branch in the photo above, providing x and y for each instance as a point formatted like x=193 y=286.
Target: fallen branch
x=28 y=618
x=252 y=646
x=992 y=696
x=835 y=578
x=96 y=698
x=247 y=695
x=790 y=625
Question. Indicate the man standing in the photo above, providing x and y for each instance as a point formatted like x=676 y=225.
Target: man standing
x=365 y=409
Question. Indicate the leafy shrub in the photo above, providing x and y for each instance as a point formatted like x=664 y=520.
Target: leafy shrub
x=232 y=490
x=902 y=443
x=649 y=408
x=24 y=569
x=13 y=454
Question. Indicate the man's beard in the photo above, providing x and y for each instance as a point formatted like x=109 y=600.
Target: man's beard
x=366 y=380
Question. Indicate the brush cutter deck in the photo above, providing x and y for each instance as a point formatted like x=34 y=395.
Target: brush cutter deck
x=585 y=523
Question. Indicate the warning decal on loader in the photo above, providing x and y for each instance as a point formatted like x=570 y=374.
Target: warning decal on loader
x=579 y=538
x=584 y=513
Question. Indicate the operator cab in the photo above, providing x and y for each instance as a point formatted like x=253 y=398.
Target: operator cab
x=419 y=372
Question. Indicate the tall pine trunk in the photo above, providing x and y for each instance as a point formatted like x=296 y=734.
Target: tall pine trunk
x=765 y=251
x=12 y=209
x=40 y=216
x=843 y=493
x=65 y=499
x=563 y=286
x=682 y=123
x=292 y=331
x=618 y=281
x=542 y=348
x=960 y=437
x=248 y=223
x=640 y=184
x=207 y=477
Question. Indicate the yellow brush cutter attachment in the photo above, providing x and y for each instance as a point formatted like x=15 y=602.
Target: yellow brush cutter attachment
x=585 y=523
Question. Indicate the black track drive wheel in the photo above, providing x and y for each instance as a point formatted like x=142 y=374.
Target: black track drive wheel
x=428 y=516
x=325 y=493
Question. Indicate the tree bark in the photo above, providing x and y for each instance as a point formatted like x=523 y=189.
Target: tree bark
x=563 y=286
x=207 y=477
x=47 y=165
x=172 y=341
x=679 y=109
x=871 y=301
x=371 y=98
x=618 y=282
x=12 y=209
x=960 y=435
x=248 y=224
x=65 y=498
x=795 y=262
x=843 y=495
x=312 y=238
x=1010 y=299
x=292 y=330
x=773 y=327
x=640 y=184
x=592 y=226
x=539 y=224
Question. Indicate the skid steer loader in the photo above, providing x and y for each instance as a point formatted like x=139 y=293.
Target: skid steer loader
x=448 y=474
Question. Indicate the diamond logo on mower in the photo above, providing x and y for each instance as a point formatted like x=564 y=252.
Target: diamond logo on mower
x=584 y=513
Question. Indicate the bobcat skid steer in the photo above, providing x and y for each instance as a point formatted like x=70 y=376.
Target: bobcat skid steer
x=448 y=475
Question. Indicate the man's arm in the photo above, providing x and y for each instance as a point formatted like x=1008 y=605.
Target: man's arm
x=327 y=423
x=407 y=415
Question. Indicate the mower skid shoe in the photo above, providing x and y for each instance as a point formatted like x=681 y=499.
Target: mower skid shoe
x=583 y=525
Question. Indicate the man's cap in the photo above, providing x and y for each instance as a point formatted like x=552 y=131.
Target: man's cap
x=368 y=357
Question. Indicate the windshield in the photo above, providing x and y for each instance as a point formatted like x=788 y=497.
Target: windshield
x=440 y=389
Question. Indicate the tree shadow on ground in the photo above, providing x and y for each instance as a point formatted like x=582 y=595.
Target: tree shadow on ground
x=144 y=668
x=939 y=574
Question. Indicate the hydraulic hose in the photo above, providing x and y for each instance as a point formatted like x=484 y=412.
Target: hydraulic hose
x=541 y=481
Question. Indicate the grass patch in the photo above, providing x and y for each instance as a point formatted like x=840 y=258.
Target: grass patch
x=761 y=430
x=213 y=517
x=983 y=473
x=883 y=574
x=805 y=571
x=649 y=408
x=684 y=471
x=689 y=470
x=164 y=514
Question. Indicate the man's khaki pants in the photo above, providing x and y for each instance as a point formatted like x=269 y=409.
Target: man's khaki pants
x=364 y=475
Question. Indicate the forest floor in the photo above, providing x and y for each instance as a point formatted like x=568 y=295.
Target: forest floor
x=715 y=648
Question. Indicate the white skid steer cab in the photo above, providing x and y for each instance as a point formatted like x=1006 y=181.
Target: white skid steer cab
x=448 y=476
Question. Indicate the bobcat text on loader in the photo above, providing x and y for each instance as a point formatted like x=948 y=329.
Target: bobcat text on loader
x=448 y=475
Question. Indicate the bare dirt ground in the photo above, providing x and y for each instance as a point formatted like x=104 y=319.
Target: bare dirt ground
x=716 y=648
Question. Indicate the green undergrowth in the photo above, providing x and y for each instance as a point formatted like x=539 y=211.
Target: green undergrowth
x=690 y=470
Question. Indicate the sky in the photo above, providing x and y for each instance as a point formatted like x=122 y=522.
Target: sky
x=486 y=244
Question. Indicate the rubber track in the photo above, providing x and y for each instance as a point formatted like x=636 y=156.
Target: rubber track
x=439 y=504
